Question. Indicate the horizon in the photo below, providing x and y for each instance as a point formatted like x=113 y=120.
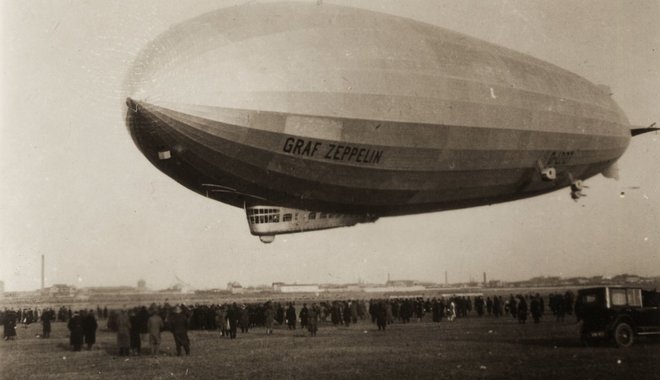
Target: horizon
x=359 y=282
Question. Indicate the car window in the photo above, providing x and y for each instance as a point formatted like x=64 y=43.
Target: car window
x=594 y=297
x=635 y=297
x=618 y=297
x=589 y=298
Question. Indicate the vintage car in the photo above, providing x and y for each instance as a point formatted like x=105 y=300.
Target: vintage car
x=618 y=314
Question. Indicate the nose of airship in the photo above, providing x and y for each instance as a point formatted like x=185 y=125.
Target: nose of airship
x=150 y=132
x=131 y=104
x=132 y=119
x=142 y=125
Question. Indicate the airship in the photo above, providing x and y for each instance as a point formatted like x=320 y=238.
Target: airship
x=316 y=116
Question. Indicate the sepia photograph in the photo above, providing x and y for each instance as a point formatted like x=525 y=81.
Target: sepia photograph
x=330 y=189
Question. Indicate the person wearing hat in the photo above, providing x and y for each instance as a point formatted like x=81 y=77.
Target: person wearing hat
x=89 y=325
x=123 y=333
x=154 y=326
x=75 y=331
x=232 y=317
x=244 y=320
x=46 y=317
x=270 y=317
x=179 y=327
x=135 y=340
x=221 y=321
x=312 y=320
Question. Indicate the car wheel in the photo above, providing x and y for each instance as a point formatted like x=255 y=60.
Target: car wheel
x=623 y=335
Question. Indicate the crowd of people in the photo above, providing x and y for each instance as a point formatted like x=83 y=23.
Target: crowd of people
x=131 y=324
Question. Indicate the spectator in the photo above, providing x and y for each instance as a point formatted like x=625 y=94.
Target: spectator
x=155 y=325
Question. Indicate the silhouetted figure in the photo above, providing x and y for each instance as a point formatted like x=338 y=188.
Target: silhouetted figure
x=179 y=326
x=155 y=325
x=123 y=324
x=89 y=325
x=46 y=318
x=75 y=331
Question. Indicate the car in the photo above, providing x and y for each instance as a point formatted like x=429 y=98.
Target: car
x=618 y=314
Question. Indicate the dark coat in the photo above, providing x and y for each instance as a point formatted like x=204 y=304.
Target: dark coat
x=522 y=309
x=270 y=316
x=179 y=326
x=75 y=331
x=304 y=316
x=136 y=327
x=123 y=330
x=10 y=324
x=245 y=318
x=291 y=316
x=45 y=320
x=232 y=316
x=89 y=326
x=312 y=320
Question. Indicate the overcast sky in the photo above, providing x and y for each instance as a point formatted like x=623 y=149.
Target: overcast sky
x=75 y=188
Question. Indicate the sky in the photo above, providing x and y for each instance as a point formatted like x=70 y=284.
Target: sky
x=75 y=188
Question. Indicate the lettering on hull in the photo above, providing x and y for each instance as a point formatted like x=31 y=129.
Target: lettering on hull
x=558 y=158
x=332 y=151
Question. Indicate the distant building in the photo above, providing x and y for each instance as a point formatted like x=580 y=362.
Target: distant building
x=211 y=292
x=2 y=288
x=108 y=290
x=235 y=287
x=295 y=288
x=633 y=278
x=400 y=283
x=142 y=286
x=277 y=286
x=394 y=289
x=62 y=290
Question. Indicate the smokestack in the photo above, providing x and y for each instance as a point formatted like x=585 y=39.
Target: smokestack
x=43 y=260
x=484 y=278
x=446 y=280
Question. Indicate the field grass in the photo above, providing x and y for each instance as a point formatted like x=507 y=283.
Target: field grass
x=464 y=349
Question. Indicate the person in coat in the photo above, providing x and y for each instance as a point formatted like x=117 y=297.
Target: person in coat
x=313 y=320
x=155 y=325
x=304 y=316
x=46 y=317
x=179 y=326
x=291 y=317
x=89 y=326
x=232 y=318
x=380 y=310
x=522 y=310
x=270 y=317
x=123 y=333
x=244 y=319
x=535 y=308
x=135 y=339
x=10 y=324
x=221 y=321
x=75 y=331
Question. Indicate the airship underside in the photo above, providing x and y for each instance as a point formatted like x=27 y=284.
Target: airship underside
x=331 y=116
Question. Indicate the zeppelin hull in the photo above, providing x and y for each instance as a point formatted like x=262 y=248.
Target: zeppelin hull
x=357 y=112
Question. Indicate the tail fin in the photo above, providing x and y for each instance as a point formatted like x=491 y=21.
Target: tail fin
x=640 y=130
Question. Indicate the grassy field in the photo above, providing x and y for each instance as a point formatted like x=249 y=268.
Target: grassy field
x=464 y=349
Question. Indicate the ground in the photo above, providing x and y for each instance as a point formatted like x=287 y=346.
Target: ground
x=464 y=349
